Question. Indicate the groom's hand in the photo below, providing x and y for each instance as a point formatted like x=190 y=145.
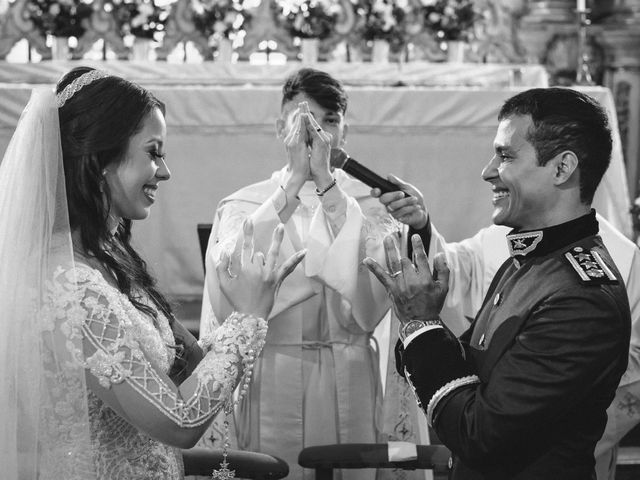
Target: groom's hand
x=416 y=292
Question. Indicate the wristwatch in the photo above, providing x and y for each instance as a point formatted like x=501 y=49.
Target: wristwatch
x=413 y=326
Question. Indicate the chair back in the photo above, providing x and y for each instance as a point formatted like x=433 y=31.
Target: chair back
x=252 y=465
x=204 y=232
x=325 y=458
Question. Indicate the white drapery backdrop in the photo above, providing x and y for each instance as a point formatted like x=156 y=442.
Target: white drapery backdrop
x=221 y=136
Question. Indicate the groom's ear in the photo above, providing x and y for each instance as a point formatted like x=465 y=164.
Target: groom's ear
x=280 y=124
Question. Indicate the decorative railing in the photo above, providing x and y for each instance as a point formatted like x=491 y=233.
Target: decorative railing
x=348 y=30
x=492 y=31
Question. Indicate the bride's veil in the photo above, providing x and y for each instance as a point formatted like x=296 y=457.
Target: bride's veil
x=44 y=426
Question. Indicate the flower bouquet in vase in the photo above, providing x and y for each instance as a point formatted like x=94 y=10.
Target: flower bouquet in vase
x=58 y=20
x=381 y=24
x=220 y=21
x=308 y=22
x=451 y=23
x=140 y=22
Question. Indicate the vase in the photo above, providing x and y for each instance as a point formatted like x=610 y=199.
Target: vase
x=141 y=49
x=309 y=50
x=59 y=48
x=455 y=51
x=380 y=51
x=225 y=51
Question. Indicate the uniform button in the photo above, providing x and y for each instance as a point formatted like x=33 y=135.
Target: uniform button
x=497 y=299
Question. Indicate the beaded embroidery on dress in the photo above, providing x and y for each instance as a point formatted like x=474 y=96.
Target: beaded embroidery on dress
x=121 y=344
x=120 y=450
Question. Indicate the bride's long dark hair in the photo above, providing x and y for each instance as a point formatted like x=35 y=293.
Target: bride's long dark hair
x=96 y=125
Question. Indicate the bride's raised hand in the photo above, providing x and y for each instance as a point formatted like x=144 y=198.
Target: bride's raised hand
x=248 y=279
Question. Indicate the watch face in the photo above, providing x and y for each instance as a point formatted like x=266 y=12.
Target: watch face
x=412 y=326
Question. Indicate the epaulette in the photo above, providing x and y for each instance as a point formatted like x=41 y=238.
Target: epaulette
x=590 y=267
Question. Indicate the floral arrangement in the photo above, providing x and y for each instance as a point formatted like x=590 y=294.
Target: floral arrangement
x=382 y=20
x=140 y=18
x=219 y=18
x=449 y=19
x=308 y=18
x=60 y=18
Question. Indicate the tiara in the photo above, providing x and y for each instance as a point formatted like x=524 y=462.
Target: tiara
x=77 y=84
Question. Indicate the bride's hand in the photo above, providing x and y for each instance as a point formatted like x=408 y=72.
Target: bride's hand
x=250 y=281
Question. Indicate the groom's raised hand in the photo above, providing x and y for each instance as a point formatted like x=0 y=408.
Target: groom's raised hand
x=416 y=292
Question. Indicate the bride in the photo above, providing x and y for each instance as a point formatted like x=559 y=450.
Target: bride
x=99 y=380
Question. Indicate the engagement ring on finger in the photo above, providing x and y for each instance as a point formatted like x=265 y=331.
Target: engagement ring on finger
x=395 y=274
x=231 y=275
x=318 y=129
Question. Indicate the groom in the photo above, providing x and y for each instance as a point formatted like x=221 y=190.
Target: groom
x=523 y=393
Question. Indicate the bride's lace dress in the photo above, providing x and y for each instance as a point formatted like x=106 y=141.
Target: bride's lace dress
x=124 y=346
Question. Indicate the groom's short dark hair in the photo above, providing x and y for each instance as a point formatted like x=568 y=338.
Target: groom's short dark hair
x=318 y=85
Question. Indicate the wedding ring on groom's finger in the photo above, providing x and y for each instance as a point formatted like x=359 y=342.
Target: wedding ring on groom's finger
x=395 y=274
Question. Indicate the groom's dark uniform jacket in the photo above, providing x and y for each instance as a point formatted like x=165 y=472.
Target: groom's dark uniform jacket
x=523 y=393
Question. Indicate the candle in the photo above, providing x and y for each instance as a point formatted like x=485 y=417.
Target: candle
x=581 y=5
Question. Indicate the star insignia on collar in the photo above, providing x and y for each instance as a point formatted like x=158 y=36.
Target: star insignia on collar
x=223 y=473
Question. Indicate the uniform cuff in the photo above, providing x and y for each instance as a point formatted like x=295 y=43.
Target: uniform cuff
x=446 y=390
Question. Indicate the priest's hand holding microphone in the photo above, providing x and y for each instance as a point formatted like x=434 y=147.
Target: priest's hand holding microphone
x=403 y=201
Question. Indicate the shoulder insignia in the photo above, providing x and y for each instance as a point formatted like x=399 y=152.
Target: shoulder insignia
x=590 y=267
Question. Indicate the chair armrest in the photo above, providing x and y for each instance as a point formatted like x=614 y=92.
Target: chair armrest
x=372 y=455
x=202 y=461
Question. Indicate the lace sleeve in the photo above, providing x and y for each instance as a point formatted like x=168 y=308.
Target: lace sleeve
x=117 y=351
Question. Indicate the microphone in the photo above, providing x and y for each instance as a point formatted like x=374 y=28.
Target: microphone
x=340 y=159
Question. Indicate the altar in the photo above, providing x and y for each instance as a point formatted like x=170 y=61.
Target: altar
x=430 y=124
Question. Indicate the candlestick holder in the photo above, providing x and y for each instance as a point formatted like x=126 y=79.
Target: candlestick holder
x=583 y=74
